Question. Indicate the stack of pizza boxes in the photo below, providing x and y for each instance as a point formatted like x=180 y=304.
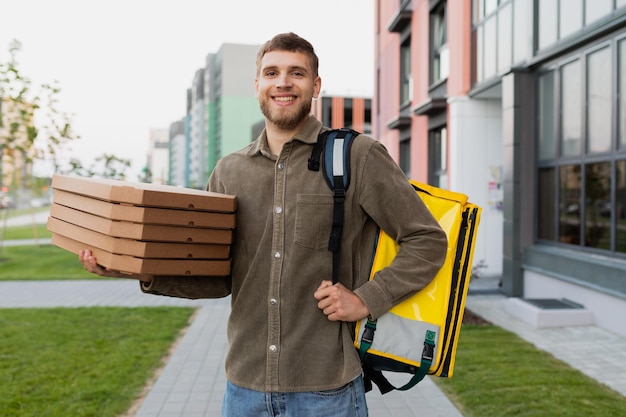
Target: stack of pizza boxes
x=137 y=228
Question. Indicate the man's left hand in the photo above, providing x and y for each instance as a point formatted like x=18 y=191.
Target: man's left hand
x=339 y=303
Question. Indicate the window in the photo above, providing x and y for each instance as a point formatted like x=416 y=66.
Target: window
x=559 y=19
x=439 y=44
x=621 y=85
x=570 y=18
x=437 y=157
x=599 y=101
x=406 y=80
x=405 y=156
x=581 y=179
x=546 y=120
x=505 y=37
x=571 y=123
x=502 y=35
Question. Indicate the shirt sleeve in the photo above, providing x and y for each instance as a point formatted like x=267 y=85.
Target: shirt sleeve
x=386 y=195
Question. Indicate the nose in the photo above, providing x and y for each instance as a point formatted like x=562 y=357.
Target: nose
x=283 y=81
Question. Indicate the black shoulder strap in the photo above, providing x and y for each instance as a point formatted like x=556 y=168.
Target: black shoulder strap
x=334 y=147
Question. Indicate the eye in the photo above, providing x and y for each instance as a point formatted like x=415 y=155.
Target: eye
x=270 y=73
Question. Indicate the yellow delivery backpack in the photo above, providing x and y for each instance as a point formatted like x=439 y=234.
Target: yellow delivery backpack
x=419 y=335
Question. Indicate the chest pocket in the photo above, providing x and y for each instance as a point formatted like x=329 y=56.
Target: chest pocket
x=314 y=218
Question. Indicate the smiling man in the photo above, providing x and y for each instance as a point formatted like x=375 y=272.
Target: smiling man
x=291 y=330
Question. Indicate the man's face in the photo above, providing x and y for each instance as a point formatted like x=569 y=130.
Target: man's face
x=285 y=86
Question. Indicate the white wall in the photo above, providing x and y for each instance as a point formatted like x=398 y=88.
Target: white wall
x=475 y=147
x=608 y=311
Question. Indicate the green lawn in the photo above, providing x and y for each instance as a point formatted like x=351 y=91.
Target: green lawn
x=497 y=374
x=26 y=232
x=43 y=262
x=91 y=362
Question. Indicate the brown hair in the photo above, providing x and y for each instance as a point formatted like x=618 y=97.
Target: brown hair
x=288 y=42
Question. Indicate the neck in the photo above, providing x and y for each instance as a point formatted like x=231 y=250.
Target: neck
x=277 y=137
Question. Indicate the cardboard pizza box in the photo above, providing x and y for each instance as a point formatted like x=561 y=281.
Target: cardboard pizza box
x=131 y=265
x=144 y=194
x=147 y=215
x=137 y=248
x=139 y=231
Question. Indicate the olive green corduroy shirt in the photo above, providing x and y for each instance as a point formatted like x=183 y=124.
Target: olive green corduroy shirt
x=279 y=340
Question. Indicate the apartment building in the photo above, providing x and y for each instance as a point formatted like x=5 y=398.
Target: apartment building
x=221 y=109
x=519 y=104
x=344 y=111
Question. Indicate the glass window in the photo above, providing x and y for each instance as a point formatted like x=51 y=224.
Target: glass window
x=438 y=155
x=478 y=11
x=588 y=209
x=522 y=30
x=547 y=149
x=547 y=22
x=598 y=205
x=441 y=57
x=571 y=106
x=621 y=82
x=620 y=3
x=569 y=204
x=620 y=206
x=406 y=92
x=599 y=88
x=489 y=45
x=505 y=40
x=547 y=204
x=405 y=156
x=480 y=53
x=570 y=17
x=490 y=6
x=596 y=9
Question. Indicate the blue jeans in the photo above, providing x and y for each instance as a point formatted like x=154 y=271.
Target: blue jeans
x=347 y=401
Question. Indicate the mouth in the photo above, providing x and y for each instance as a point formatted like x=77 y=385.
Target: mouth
x=284 y=99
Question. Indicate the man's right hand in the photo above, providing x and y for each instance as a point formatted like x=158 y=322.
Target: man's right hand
x=89 y=263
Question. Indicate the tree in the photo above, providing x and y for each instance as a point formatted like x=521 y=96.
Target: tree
x=20 y=105
x=105 y=166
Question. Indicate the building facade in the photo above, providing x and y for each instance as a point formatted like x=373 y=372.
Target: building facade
x=159 y=155
x=221 y=109
x=341 y=111
x=178 y=152
x=520 y=105
x=232 y=107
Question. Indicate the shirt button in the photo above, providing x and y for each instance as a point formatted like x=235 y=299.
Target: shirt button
x=281 y=165
x=278 y=210
x=276 y=255
x=273 y=348
x=273 y=301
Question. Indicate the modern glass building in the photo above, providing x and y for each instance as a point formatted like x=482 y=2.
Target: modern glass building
x=521 y=105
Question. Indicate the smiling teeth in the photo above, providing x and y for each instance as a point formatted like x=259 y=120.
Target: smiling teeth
x=284 y=98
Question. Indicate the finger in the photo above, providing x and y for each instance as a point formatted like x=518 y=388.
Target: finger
x=325 y=284
x=321 y=291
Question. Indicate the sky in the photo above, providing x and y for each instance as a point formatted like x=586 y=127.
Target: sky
x=124 y=66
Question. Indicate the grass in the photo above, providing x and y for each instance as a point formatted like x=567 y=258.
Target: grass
x=26 y=232
x=497 y=374
x=82 y=361
x=44 y=262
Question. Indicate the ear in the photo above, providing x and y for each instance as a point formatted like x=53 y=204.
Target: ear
x=256 y=87
x=317 y=86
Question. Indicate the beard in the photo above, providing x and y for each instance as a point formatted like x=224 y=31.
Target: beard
x=285 y=120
